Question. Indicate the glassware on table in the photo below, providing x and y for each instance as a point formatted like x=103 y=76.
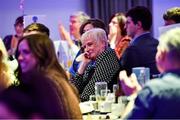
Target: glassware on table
x=115 y=88
x=98 y=87
x=92 y=99
x=104 y=94
x=118 y=108
x=142 y=74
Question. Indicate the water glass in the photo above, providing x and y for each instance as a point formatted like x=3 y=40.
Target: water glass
x=104 y=94
x=142 y=74
x=100 y=86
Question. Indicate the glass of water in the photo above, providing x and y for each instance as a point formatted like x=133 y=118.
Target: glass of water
x=142 y=74
x=99 y=86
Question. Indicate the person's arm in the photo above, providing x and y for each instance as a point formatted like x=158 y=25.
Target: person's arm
x=65 y=35
x=106 y=67
x=77 y=80
x=129 y=106
x=144 y=105
x=84 y=63
x=130 y=59
x=130 y=84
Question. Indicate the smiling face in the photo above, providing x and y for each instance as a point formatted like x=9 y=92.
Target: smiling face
x=26 y=58
x=92 y=47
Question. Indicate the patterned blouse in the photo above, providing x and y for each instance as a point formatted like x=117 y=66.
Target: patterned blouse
x=105 y=68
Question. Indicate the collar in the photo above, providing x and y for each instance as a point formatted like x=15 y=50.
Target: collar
x=138 y=36
x=175 y=71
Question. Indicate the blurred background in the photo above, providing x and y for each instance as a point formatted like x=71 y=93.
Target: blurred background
x=59 y=11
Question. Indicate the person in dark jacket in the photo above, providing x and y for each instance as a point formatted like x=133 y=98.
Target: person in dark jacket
x=143 y=47
x=160 y=97
x=11 y=41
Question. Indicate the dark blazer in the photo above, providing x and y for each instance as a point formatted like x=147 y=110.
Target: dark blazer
x=7 y=41
x=141 y=52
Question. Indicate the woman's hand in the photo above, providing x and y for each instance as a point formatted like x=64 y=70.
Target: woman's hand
x=84 y=58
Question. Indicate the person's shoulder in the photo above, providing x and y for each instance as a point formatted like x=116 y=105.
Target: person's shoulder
x=131 y=48
x=155 y=40
x=8 y=37
x=108 y=52
x=26 y=78
x=158 y=84
x=154 y=82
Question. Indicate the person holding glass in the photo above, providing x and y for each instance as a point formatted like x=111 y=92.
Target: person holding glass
x=160 y=97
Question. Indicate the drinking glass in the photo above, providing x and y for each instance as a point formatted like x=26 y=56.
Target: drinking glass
x=100 y=86
x=104 y=94
x=142 y=74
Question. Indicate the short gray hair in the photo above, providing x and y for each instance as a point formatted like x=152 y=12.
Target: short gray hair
x=97 y=34
x=81 y=15
x=170 y=42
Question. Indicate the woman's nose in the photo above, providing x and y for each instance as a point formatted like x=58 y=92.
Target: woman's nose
x=20 y=57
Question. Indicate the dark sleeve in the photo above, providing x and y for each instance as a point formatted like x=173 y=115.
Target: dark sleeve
x=77 y=81
x=130 y=59
x=144 y=105
x=7 y=42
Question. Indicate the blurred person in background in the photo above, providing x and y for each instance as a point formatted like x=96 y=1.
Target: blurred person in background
x=70 y=39
x=118 y=38
x=11 y=41
x=34 y=28
x=7 y=76
x=172 y=16
x=87 y=25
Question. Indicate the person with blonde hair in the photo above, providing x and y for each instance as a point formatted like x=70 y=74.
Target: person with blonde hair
x=172 y=16
x=6 y=73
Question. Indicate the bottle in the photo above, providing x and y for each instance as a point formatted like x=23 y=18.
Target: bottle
x=115 y=92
